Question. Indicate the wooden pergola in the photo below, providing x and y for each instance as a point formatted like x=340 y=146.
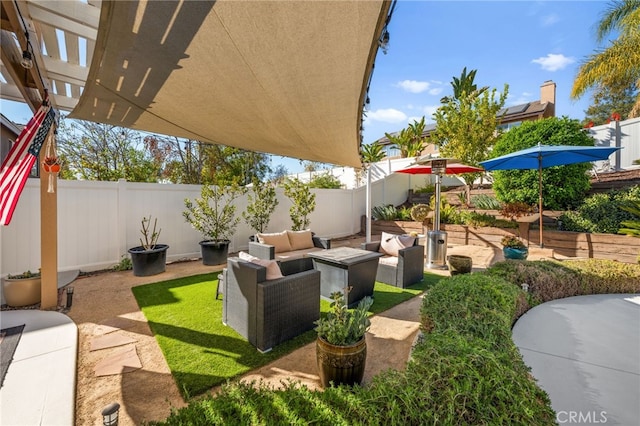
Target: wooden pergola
x=287 y=78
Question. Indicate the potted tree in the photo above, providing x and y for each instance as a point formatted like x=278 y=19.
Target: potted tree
x=214 y=216
x=341 y=347
x=304 y=203
x=22 y=289
x=514 y=248
x=149 y=258
x=261 y=203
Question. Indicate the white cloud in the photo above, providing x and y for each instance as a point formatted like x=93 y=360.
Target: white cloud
x=413 y=86
x=521 y=99
x=429 y=110
x=549 y=20
x=435 y=91
x=388 y=115
x=553 y=62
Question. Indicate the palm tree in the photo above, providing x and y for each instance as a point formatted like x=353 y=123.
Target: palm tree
x=371 y=153
x=621 y=60
x=464 y=86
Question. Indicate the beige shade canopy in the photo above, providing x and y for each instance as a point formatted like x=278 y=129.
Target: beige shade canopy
x=282 y=77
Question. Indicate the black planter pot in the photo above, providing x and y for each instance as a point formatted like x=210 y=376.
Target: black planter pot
x=149 y=262
x=214 y=252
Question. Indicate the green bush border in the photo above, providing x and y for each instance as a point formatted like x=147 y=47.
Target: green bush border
x=464 y=370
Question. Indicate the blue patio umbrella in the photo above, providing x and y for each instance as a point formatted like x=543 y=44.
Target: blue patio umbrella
x=543 y=156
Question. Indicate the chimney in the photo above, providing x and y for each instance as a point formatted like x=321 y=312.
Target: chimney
x=548 y=94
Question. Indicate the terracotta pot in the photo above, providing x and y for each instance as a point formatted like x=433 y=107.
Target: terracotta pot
x=341 y=364
x=21 y=291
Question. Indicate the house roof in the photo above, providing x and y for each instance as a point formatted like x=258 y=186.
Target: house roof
x=515 y=113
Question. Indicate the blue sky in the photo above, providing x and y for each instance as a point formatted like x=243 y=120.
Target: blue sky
x=520 y=43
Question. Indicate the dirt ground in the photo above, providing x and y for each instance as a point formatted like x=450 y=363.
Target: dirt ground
x=145 y=394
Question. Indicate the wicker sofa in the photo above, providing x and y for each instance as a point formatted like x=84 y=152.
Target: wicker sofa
x=403 y=264
x=269 y=312
x=290 y=248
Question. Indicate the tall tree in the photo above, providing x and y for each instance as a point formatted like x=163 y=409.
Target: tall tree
x=93 y=151
x=467 y=127
x=465 y=85
x=616 y=98
x=190 y=161
x=621 y=60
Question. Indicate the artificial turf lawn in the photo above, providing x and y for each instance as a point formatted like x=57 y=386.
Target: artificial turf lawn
x=201 y=352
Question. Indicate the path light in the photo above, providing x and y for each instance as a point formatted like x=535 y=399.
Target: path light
x=110 y=414
x=69 y=296
x=525 y=287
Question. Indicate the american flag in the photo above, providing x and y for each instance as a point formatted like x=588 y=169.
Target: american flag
x=22 y=156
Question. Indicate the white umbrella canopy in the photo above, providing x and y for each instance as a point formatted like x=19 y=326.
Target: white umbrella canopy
x=283 y=77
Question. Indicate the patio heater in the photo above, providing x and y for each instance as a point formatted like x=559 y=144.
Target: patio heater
x=437 y=239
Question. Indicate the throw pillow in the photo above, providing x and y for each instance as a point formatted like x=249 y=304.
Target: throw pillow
x=390 y=243
x=280 y=240
x=300 y=240
x=273 y=269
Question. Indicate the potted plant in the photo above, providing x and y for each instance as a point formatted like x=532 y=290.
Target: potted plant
x=22 y=289
x=214 y=215
x=260 y=205
x=514 y=248
x=149 y=258
x=304 y=203
x=341 y=347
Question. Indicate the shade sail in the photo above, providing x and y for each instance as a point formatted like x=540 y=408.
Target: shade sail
x=282 y=77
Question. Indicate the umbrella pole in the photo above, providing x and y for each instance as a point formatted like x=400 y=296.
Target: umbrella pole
x=540 y=198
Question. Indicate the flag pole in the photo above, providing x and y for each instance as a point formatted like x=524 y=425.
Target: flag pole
x=540 y=196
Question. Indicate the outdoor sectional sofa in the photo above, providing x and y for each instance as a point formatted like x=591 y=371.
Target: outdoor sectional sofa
x=289 y=248
x=265 y=311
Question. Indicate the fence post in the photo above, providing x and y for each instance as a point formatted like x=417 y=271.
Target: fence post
x=121 y=211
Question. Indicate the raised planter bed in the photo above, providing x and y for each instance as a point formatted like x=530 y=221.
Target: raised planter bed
x=572 y=244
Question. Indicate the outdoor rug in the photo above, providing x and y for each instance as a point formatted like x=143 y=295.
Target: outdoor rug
x=9 y=338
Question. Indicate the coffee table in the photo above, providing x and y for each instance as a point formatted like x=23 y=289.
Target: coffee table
x=346 y=267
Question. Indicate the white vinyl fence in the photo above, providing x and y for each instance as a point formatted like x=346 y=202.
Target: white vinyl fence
x=99 y=221
x=625 y=134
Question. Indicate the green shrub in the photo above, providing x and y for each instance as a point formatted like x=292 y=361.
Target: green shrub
x=325 y=181
x=404 y=213
x=384 y=212
x=485 y=202
x=478 y=219
x=563 y=187
x=602 y=213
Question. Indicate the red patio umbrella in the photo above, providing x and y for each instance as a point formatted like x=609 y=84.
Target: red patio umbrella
x=438 y=166
x=451 y=169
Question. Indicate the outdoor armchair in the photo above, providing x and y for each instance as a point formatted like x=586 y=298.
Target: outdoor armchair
x=269 y=312
x=401 y=270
